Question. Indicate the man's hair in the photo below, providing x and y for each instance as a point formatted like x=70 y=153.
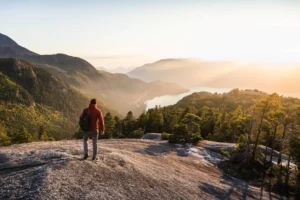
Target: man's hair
x=93 y=101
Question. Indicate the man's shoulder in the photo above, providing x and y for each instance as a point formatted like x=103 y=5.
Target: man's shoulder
x=98 y=110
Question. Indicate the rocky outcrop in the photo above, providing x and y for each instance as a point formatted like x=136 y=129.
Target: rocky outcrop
x=127 y=169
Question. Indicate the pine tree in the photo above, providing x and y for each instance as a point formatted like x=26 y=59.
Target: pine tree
x=4 y=139
x=118 y=128
x=44 y=136
x=128 y=124
x=23 y=136
x=110 y=124
x=41 y=131
x=262 y=109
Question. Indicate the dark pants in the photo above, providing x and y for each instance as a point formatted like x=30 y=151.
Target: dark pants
x=94 y=135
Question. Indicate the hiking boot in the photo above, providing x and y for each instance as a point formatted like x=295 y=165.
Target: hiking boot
x=95 y=158
x=85 y=156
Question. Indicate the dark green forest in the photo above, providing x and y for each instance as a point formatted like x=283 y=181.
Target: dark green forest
x=248 y=117
x=32 y=99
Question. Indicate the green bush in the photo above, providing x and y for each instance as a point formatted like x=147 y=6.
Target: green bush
x=196 y=138
x=23 y=136
x=180 y=133
x=78 y=134
x=4 y=139
x=225 y=153
x=137 y=133
x=165 y=136
x=44 y=136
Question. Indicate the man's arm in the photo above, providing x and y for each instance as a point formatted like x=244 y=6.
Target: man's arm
x=101 y=123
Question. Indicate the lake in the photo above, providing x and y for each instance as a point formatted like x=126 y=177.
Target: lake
x=167 y=100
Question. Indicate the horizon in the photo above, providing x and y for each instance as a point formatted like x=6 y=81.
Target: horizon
x=258 y=31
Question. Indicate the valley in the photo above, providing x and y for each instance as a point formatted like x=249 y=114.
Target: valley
x=84 y=77
x=190 y=73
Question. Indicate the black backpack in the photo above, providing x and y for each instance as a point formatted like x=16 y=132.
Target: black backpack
x=84 y=121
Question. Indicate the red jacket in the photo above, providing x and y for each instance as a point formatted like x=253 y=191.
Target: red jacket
x=96 y=118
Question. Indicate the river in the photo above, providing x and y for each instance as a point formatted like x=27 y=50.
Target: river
x=167 y=100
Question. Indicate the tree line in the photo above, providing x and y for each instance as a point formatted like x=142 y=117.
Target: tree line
x=248 y=117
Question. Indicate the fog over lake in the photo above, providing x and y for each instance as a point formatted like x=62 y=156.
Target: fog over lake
x=167 y=100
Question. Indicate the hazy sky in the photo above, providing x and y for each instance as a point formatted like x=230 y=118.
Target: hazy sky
x=127 y=33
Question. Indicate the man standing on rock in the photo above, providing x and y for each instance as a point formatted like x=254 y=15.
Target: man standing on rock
x=95 y=119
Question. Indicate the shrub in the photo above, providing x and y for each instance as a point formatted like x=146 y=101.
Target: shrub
x=78 y=134
x=137 y=133
x=4 y=139
x=225 y=153
x=23 y=136
x=242 y=138
x=44 y=136
x=165 y=136
x=180 y=134
x=196 y=138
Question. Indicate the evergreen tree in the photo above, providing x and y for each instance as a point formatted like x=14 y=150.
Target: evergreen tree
x=262 y=109
x=44 y=136
x=157 y=120
x=41 y=132
x=110 y=124
x=142 y=121
x=118 y=128
x=179 y=133
x=23 y=136
x=128 y=124
x=137 y=133
x=4 y=139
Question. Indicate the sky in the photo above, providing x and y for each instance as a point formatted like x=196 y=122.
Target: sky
x=126 y=33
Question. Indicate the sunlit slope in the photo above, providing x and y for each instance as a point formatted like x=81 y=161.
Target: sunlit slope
x=186 y=72
x=32 y=97
x=119 y=91
x=281 y=78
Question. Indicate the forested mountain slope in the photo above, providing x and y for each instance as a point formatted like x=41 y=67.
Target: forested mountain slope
x=108 y=87
x=39 y=98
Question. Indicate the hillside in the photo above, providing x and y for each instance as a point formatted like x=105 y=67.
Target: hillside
x=228 y=101
x=31 y=97
x=83 y=76
x=278 y=78
x=124 y=93
x=282 y=79
x=185 y=72
x=8 y=47
x=128 y=169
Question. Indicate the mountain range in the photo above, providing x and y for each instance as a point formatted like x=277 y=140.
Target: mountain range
x=120 y=92
x=188 y=73
x=183 y=71
x=122 y=70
